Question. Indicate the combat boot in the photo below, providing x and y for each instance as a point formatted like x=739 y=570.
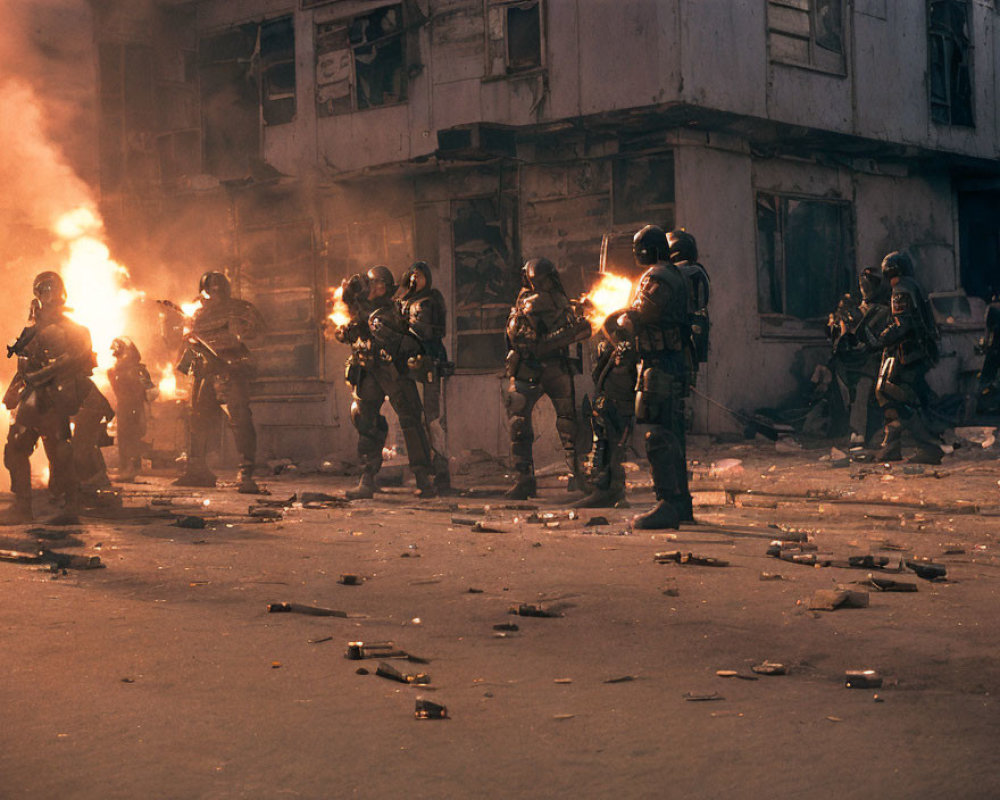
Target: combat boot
x=196 y=475
x=662 y=515
x=245 y=482
x=525 y=487
x=889 y=452
x=602 y=498
x=425 y=489
x=365 y=488
x=926 y=456
x=685 y=508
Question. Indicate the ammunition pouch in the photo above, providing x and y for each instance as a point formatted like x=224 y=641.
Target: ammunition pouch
x=657 y=340
x=522 y=367
x=421 y=368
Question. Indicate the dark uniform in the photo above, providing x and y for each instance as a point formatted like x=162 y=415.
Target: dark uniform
x=541 y=326
x=612 y=416
x=659 y=321
x=682 y=250
x=221 y=364
x=988 y=399
x=130 y=382
x=54 y=360
x=90 y=434
x=854 y=364
x=424 y=310
x=909 y=349
x=381 y=347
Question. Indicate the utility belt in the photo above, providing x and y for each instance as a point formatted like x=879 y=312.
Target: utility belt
x=527 y=367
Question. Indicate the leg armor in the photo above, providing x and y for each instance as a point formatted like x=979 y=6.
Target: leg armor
x=520 y=402
x=371 y=426
x=233 y=390
x=557 y=383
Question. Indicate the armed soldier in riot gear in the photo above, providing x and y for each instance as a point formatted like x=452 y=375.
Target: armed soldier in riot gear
x=541 y=326
x=854 y=364
x=381 y=348
x=424 y=310
x=131 y=384
x=218 y=358
x=54 y=360
x=612 y=416
x=909 y=349
x=683 y=252
x=659 y=321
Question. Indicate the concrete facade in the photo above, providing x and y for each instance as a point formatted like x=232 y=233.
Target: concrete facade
x=700 y=92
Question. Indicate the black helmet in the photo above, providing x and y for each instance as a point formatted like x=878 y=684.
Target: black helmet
x=417 y=266
x=896 y=264
x=538 y=271
x=215 y=286
x=49 y=289
x=682 y=247
x=871 y=284
x=383 y=275
x=649 y=245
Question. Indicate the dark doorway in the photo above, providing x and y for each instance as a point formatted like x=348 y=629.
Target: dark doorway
x=979 y=239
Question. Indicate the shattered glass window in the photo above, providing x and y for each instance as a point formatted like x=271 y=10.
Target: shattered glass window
x=361 y=62
x=277 y=70
x=949 y=46
x=804 y=255
x=486 y=281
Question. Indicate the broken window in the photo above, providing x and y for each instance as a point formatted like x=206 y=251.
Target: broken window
x=643 y=190
x=804 y=256
x=247 y=74
x=277 y=71
x=949 y=45
x=361 y=62
x=486 y=281
x=808 y=33
x=513 y=36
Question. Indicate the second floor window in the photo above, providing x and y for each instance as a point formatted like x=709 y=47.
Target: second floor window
x=361 y=62
x=513 y=36
x=808 y=33
x=949 y=44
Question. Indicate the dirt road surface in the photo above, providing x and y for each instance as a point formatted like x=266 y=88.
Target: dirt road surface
x=163 y=675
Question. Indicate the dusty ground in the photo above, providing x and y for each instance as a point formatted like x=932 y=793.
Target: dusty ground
x=164 y=675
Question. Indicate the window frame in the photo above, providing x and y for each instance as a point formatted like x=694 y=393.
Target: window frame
x=947 y=38
x=819 y=59
x=490 y=71
x=346 y=22
x=782 y=325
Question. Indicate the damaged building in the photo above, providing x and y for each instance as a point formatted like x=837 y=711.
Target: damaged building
x=294 y=142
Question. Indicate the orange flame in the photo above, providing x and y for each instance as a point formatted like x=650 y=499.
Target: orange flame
x=96 y=285
x=339 y=314
x=168 y=383
x=611 y=293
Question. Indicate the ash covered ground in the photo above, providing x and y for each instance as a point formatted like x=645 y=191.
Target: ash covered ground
x=163 y=674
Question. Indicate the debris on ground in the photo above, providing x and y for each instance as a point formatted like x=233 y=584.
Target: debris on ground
x=425 y=709
x=594 y=521
x=482 y=527
x=265 y=513
x=299 y=608
x=356 y=651
x=531 y=610
x=696 y=698
x=350 y=579
x=318 y=500
x=771 y=576
x=769 y=668
x=677 y=557
x=189 y=521
x=386 y=670
x=726 y=467
x=505 y=626
x=622 y=679
x=887 y=585
x=862 y=679
x=732 y=673
x=926 y=569
x=55 y=559
x=832 y=599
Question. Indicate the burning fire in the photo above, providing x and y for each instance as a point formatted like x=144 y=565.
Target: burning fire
x=188 y=309
x=611 y=293
x=168 y=383
x=339 y=314
x=95 y=284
